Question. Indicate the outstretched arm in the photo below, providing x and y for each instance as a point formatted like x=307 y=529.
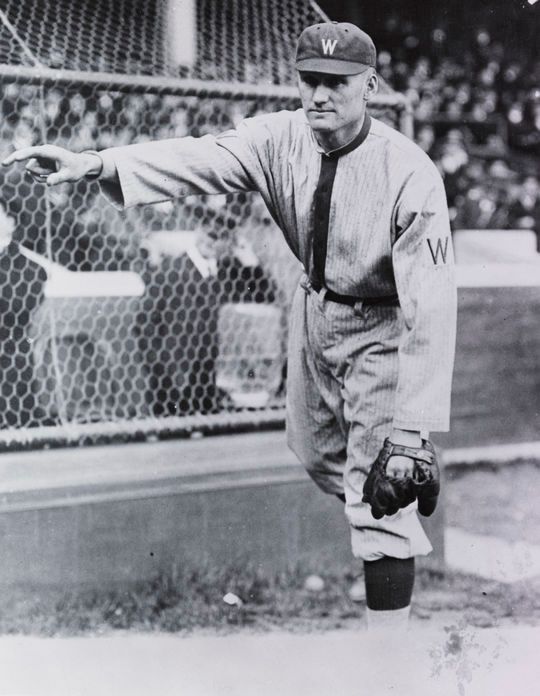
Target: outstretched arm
x=240 y=159
x=53 y=165
x=161 y=170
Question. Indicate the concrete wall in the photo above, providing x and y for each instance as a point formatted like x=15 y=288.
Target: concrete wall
x=117 y=541
x=217 y=500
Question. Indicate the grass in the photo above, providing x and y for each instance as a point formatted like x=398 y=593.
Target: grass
x=187 y=600
x=178 y=601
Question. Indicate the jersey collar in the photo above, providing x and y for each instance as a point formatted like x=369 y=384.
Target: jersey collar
x=350 y=146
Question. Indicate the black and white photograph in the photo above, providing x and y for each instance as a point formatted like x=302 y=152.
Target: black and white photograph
x=269 y=347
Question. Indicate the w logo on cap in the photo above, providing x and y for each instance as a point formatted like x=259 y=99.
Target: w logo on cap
x=329 y=46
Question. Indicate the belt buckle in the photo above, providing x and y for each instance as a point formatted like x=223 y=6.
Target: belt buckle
x=309 y=288
x=358 y=308
x=305 y=283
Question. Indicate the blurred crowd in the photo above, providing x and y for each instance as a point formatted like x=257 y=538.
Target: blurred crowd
x=483 y=192
x=470 y=76
x=476 y=99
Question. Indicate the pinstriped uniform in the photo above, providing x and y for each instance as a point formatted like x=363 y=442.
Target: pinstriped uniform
x=355 y=370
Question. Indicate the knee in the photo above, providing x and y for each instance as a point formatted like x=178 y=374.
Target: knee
x=326 y=470
x=328 y=481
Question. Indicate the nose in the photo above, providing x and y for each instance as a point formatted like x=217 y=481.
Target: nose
x=321 y=94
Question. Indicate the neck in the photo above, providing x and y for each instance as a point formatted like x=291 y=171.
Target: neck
x=334 y=140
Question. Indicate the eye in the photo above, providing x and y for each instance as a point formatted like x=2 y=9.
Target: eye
x=309 y=80
x=335 y=81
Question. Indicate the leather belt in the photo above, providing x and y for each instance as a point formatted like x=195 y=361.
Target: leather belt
x=385 y=300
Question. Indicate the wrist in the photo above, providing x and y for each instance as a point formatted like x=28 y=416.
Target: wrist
x=407 y=438
x=94 y=165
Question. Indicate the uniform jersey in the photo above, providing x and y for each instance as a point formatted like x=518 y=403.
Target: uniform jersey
x=387 y=226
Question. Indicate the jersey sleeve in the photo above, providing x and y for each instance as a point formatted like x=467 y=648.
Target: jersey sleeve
x=424 y=271
x=153 y=172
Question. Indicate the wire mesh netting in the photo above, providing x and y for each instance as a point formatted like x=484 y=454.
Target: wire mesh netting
x=235 y=40
x=171 y=311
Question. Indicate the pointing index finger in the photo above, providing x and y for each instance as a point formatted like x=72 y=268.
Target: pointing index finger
x=23 y=154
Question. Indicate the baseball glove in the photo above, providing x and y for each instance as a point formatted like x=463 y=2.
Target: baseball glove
x=387 y=494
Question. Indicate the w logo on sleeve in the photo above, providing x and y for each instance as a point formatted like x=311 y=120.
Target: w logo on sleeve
x=329 y=46
x=438 y=251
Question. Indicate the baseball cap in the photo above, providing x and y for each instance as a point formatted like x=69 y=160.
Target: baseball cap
x=339 y=48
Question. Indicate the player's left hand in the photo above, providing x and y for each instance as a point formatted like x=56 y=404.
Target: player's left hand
x=387 y=492
x=399 y=466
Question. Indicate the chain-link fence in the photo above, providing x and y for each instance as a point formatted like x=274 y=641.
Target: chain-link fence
x=166 y=318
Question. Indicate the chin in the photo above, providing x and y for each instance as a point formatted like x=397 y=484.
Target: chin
x=321 y=124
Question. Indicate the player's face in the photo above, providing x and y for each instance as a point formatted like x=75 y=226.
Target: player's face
x=335 y=105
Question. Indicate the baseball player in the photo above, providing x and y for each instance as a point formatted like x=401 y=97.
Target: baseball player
x=372 y=326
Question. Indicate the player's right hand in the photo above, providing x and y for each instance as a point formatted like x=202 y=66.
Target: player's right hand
x=53 y=165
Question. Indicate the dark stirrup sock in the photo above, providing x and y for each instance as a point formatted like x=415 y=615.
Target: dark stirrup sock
x=389 y=583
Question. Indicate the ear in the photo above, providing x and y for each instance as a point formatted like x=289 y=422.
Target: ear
x=372 y=86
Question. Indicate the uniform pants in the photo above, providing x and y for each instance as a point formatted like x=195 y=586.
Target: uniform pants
x=342 y=378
